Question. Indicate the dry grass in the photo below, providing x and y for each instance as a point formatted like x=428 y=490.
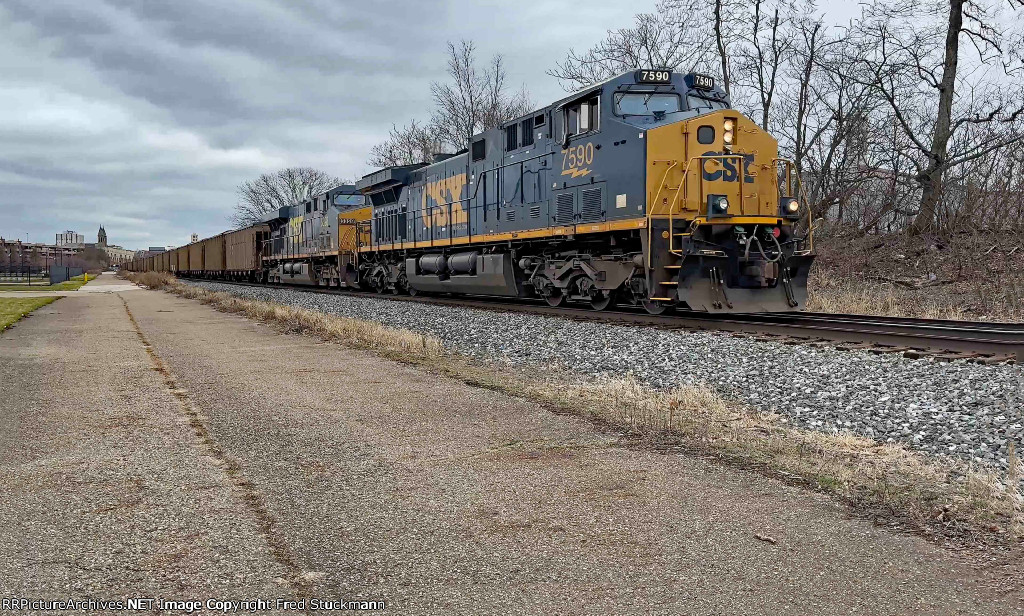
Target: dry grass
x=938 y=497
x=388 y=341
x=970 y=276
x=150 y=280
x=881 y=479
x=852 y=296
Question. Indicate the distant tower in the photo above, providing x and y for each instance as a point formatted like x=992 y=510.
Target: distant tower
x=195 y=238
x=101 y=237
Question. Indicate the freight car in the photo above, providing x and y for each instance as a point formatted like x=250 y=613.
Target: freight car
x=243 y=253
x=647 y=189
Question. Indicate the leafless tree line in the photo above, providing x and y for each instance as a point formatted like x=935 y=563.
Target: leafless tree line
x=910 y=117
x=473 y=100
x=272 y=191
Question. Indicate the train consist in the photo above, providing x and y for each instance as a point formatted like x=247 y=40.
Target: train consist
x=647 y=189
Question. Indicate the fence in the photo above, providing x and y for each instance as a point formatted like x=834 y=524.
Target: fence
x=61 y=274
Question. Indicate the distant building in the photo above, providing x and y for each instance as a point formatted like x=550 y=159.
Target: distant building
x=70 y=238
x=156 y=249
x=118 y=255
x=195 y=238
x=67 y=246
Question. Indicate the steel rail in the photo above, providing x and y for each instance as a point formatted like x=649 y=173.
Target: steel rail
x=945 y=338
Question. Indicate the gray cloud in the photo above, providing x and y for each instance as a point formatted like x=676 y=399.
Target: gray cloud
x=144 y=116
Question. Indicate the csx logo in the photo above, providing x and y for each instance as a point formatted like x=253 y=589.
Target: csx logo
x=724 y=169
x=443 y=192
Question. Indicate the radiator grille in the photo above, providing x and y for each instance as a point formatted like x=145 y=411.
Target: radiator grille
x=510 y=214
x=563 y=208
x=535 y=211
x=591 y=204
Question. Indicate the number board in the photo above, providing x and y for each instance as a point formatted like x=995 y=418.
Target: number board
x=653 y=76
x=700 y=82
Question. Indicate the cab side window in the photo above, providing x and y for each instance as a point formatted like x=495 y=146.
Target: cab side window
x=582 y=117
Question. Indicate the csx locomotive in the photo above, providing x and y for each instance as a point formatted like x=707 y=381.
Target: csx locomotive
x=647 y=189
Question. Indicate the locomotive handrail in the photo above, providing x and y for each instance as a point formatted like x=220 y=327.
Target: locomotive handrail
x=679 y=190
x=799 y=195
x=700 y=186
x=682 y=188
x=650 y=214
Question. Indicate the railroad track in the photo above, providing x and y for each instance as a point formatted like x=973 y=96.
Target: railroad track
x=941 y=339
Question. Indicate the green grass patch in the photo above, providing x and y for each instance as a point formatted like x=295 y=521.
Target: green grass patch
x=13 y=308
x=69 y=285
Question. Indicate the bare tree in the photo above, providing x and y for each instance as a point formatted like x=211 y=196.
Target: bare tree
x=407 y=145
x=475 y=99
x=272 y=191
x=909 y=52
x=723 y=54
x=676 y=35
x=764 y=51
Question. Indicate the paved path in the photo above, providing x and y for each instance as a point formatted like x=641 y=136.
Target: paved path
x=184 y=453
x=109 y=284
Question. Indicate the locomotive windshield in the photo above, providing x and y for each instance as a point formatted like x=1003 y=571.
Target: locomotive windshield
x=344 y=200
x=645 y=103
x=696 y=102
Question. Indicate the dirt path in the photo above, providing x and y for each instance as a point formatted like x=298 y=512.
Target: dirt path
x=175 y=450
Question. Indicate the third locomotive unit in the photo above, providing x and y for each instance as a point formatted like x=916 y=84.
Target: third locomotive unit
x=647 y=189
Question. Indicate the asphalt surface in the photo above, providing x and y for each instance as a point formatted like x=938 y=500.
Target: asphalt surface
x=151 y=446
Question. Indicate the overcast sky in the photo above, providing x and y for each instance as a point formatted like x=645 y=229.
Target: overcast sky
x=145 y=116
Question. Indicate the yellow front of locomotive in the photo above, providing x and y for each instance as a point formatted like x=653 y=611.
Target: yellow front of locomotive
x=726 y=231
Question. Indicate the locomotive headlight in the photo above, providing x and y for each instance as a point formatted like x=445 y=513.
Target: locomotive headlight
x=790 y=206
x=717 y=205
x=727 y=134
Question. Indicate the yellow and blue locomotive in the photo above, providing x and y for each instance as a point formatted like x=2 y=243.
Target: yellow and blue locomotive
x=647 y=189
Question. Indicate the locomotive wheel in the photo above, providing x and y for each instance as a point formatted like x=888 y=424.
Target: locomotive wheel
x=603 y=301
x=556 y=299
x=654 y=308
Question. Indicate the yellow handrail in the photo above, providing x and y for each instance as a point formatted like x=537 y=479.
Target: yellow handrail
x=650 y=211
x=682 y=184
x=681 y=189
x=798 y=195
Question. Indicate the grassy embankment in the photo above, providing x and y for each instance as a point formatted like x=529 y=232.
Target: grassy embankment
x=887 y=482
x=69 y=285
x=14 y=308
x=975 y=277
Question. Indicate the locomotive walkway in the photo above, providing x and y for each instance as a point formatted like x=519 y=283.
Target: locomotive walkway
x=153 y=447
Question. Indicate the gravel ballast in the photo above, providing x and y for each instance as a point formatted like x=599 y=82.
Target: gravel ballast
x=965 y=410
